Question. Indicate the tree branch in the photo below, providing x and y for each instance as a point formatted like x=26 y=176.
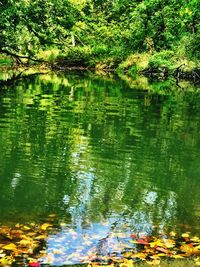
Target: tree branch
x=8 y=53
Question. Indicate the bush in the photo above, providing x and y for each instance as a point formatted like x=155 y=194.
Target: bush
x=164 y=59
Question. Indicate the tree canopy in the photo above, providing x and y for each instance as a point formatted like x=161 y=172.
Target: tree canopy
x=117 y=27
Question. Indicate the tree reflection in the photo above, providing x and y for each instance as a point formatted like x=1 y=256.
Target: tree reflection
x=88 y=149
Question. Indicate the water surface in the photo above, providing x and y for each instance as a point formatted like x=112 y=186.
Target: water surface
x=107 y=159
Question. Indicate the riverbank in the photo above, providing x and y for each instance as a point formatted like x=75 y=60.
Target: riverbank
x=157 y=66
x=164 y=263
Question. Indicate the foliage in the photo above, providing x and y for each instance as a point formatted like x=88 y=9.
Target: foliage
x=162 y=59
x=90 y=31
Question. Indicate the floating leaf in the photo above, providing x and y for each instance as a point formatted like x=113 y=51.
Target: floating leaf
x=177 y=257
x=141 y=241
x=44 y=226
x=6 y=260
x=40 y=237
x=185 y=235
x=169 y=243
x=10 y=246
x=172 y=233
x=126 y=263
x=34 y=264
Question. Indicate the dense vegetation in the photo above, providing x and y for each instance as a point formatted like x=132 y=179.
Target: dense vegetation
x=128 y=35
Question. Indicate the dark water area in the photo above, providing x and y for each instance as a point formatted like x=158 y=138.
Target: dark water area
x=103 y=157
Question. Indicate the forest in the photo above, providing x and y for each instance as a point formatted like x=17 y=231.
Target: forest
x=127 y=36
x=99 y=133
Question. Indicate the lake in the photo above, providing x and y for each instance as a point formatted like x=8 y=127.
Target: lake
x=105 y=157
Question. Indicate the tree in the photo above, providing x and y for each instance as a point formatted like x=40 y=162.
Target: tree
x=27 y=26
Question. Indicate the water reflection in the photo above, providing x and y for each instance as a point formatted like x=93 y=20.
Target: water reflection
x=93 y=150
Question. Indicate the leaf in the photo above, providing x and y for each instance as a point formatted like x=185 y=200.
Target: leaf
x=11 y=246
x=41 y=237
x=172 y=233
x=44 y=226
x=141 y=241
x=25 y=242
x=26 y=228
x=157 y=243
x=133 y=236
x=141 y=256
x=169 y=243
x=164 y=250
x=6 y=260
x=126 y=263
x=185 y=235
x=34 y=264
x=177 y=257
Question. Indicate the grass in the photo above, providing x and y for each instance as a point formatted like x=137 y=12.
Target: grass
x=172 y=263
x=164 y=263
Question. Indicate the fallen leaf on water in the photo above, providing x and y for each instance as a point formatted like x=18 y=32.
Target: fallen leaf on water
x=169 y=243
x=26 y=228
x=157 y=243
x=10 y=246
x=6 y=260
x=177 y=257
x=141 y=241
x=34 y=264
x=141 y=256
x=126 y=263
x=44 y=226
x=40 y=237
x=25 y=242
x=172 y=233
x=164 y=250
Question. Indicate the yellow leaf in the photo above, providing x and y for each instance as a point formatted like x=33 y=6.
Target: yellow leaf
x=25 y=242
x=177 y=257
x=11 y=246
x=139 y=255
x=44 y=226
x=172 y=233
x=197 y=263
x=31 y=234
x=26 y=228
x=157 y=243
x=6 y=260
x=185 y=235
x=187 y=248
x=195 y=239
x=40 y=237
x=126 y=263
x=169 y=243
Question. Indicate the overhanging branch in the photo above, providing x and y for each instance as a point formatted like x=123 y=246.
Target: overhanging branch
x=19 y=57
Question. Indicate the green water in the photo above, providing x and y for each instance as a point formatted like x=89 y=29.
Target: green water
x=98 y=153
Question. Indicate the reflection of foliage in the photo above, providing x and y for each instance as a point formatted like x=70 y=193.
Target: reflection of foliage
x=91 y=147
